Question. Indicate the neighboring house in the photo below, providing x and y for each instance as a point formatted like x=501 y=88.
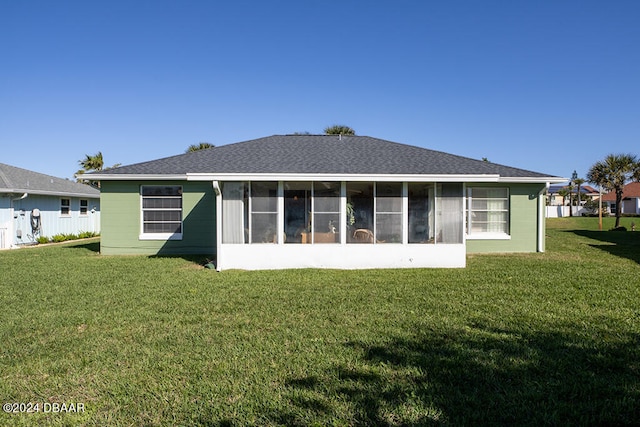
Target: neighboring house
x=586 y=193
x=558 y=206
x=35 y=205
x=325 y=201
x=630 y=199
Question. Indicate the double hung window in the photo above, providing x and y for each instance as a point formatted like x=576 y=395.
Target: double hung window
x=488 y=212
x=84 y=207
x=65 y=207
x=161 y=211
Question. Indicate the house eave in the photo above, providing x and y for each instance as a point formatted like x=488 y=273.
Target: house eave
x=47 y=193
x=340 y=177
x=469 y=178
x=136 y=177
x=532 y=180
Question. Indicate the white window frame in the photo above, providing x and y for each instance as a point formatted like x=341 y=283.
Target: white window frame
x=487 y=235
x=84 y=207
x=161 y=236
x=66 y=207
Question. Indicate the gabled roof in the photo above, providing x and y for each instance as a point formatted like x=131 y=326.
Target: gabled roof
x=317 y=154
x=630 y=191
x=18 y=181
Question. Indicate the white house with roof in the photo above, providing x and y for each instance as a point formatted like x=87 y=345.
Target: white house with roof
x=34 y=205
x=327 y=201
x=630 y=200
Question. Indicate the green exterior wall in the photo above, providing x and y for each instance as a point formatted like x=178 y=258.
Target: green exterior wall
x=523 y=221
x=120 y=220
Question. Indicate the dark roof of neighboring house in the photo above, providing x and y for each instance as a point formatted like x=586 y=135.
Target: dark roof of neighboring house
x=630 y=191
x=319 y=154
x=584 y=189
x=17 y=180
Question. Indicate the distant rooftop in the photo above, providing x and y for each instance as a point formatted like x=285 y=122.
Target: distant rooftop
x=17 y=180
x=630 y=191
x=584 y=189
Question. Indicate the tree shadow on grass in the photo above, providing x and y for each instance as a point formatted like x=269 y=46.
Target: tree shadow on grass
x=623 y=244
x=476 y=375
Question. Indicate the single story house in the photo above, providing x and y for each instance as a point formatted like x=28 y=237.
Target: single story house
x=630 y=199
x=36 y=205
x=325 y=201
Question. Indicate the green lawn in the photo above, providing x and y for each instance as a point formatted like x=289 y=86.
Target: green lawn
x=523 y=339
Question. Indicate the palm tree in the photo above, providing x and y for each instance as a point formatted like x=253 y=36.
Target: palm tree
x=570 y=190
x=339 y=130
x=93 y=163
x=563 y=192
x=201 y=146
x=578 y=182
x=613 y=173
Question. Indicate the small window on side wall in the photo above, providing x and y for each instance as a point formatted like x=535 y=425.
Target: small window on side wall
x=161 y=212
x=84 y=207
x=65 y=207
x=488 y=212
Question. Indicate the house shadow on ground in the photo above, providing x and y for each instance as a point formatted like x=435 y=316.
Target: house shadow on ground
x=196 y=259
x=474 y=376
x=623 y=244
x=92 y=246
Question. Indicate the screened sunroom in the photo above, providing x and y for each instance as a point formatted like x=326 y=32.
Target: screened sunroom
x=338 y=224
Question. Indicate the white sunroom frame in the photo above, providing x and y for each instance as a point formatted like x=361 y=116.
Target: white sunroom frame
x=339 y=255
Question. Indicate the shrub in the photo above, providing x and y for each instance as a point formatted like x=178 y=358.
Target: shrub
x=621 y=228
x=59 y=238
x=65 y=237
x=87 y=234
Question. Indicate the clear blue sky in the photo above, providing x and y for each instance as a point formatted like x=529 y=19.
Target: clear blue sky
x=549 y=86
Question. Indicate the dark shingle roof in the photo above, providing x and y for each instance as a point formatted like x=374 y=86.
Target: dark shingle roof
x=584 y=189
x=18 y=180
x=320 y=154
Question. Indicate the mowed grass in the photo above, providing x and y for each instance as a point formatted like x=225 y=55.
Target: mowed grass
x=519 y=339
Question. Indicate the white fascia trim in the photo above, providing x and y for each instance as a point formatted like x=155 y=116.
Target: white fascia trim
x=50 y=193
x=341 y=177
x=160 y=236
x=532 y=180
x=488 y=236
x=325 y=177
x=137 y=177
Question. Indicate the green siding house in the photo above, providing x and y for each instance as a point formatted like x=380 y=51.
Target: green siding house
x=324 y=201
